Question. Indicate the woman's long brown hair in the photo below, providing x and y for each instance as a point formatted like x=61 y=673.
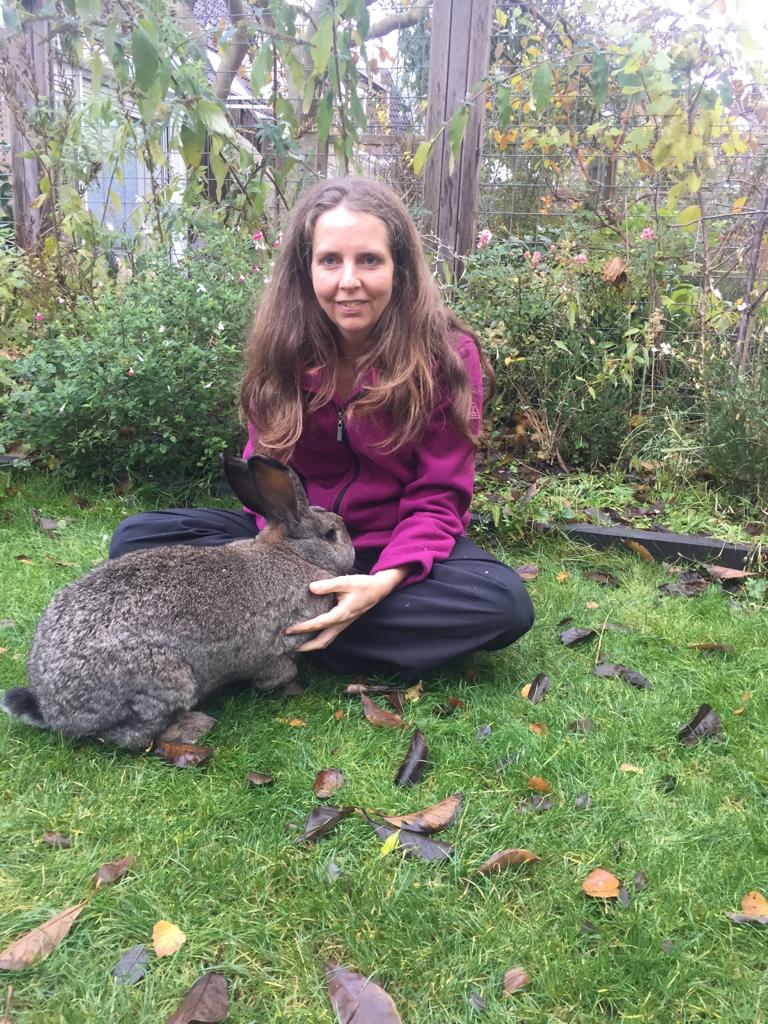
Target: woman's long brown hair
x=411 y=346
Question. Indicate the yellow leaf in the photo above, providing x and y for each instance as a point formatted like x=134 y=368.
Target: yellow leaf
x=591 y=605
x=167 y=938
x=639 y=549
x=563 y=577
x=525 y=691
x=390 y=844
x=738 y=204
x=295 y=723
x=631 y=768
x=414 y=692
x=501 y=17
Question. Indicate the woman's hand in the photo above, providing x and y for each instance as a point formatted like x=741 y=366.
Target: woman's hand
x=355 y=595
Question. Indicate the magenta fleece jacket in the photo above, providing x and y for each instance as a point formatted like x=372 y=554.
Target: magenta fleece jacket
x=412 y=503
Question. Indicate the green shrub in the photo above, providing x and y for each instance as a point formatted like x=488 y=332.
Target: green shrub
x=567 y=348
x=145 y=381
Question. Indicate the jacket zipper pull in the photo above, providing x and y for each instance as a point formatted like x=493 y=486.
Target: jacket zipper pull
x=340 y=425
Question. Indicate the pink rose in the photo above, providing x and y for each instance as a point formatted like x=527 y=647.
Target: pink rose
x=580 y=257
x=483 y=238
x=39 y=316
x=647 y=234
x=240 y=279
x=257 y=236
x=535 y=259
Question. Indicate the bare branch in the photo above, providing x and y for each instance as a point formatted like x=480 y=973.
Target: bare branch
x=395 y=21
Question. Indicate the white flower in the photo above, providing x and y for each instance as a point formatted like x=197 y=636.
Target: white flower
x=220 y=326
x=160 y=329
x=666 y=348
x=202 y=289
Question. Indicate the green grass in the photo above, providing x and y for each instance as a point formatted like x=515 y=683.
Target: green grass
x=216 y=858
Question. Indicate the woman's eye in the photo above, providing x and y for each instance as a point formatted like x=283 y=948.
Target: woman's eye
x=371 y=261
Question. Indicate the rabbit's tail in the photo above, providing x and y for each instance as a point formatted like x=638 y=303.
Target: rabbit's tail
x=21 y=703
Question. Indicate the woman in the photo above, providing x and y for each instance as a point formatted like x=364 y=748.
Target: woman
x=360 y=379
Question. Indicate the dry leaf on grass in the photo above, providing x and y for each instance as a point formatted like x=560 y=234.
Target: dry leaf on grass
x=527 y=573
x=539 y=785
x=431 y=819
x=625 y=767
x=640 y=549
x=167 y=938
x=327 y=782
x=207 y=1002
x=570 y=637
x=38 y=943
x=415 y=762
x=321 y=821
x=601 y=884
x=109 y=873
x=57 y=839
x=515 y=979
x=538 y=728
x=503 y=859
x=258 y=780
x=705 y=724
x=754 y=910
x=536 y=691
x=181 y=755
x=358 y=1000
x=413 y=844
x=131 y=967
x=378 y=716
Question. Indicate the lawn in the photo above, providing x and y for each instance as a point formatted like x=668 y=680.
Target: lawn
x=217 y=857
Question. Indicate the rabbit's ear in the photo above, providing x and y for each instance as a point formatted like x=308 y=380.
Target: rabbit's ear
x=267 y=486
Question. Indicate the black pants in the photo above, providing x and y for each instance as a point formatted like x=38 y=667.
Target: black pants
x=469 y=602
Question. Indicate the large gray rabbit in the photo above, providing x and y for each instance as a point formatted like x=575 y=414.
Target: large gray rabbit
x=121 y=652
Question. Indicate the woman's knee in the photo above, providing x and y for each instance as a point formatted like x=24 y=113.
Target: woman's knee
x=128 y=535
x=512 y=606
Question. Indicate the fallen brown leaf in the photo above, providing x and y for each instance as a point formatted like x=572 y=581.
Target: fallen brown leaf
x=582 y=725
x=515 y=979
x=639 y=549
x=755 y=910
x=576 y=636
x=415 y=762
x=294 y=723
x=57 y=839
x=539 y=728
x=38 y=943
x=338 y=715
x=539 y=785
x=527 y=573
x=512 y=858
x=130 y=968
x=601 y=577
x=257 y=779
x=109 y=873
x=601 y=884
x=431 y=819
x=327 y=782
x=181 y=755
x=358 y=1000
x=591 y=605
x=536 y=691
x=413 y=844
x=321 y=821
x=167 y=938
x=414 y=692
x=704 y=724
x=711 y=647
x=378 y=716
x=631 y=768
x=563 y=577
x=207 y=1001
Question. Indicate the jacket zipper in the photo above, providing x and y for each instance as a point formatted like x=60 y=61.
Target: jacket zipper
x=340 y=410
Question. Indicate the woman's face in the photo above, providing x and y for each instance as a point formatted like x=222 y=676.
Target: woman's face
x=352 y=272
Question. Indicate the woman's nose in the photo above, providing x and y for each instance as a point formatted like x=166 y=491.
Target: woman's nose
x=349 y=277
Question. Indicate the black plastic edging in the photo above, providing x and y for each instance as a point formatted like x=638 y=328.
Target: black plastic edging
x=667 y=547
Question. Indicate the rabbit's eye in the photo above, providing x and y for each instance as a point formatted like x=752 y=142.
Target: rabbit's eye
x=330 y=534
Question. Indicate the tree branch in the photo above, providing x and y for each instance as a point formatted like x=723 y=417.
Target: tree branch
x=394 y=21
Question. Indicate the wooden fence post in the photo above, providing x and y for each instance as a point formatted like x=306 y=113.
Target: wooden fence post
x=459 y=57
x=30 y=55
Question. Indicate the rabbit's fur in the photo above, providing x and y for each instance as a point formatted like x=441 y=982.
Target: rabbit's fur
x=121 y=652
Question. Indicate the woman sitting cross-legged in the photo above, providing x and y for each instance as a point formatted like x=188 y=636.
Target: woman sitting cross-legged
x=360 y=379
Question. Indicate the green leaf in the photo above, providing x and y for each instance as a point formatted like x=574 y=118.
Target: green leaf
x=212 y=115
x=456 y=128
x=261 y=71
x=192 y=138
x=688 y=219
x=322 y=42
x=97 y=73
x=542 y=86
x=420 y=156
x=324 y=116
x=146 y=59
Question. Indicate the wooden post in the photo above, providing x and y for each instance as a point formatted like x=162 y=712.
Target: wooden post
x=31 y=57
x=459 y=56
